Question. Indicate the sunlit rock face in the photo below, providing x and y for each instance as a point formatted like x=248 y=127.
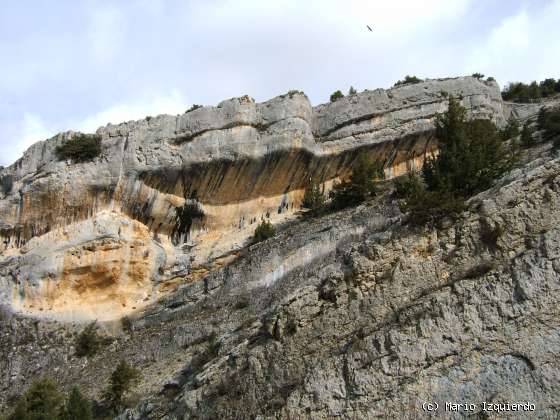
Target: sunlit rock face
x=99 y=268
x=171 y=194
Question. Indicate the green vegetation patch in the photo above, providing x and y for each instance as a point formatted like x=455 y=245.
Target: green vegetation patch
x=471 y=156
x=359 y=187
x=7 y=184
x=264 y=231
x=81 y=148
x=336 y=96
x=89 y=341
x=525 y=93
x=408 y=80
x=123 y=378
x=43 y=400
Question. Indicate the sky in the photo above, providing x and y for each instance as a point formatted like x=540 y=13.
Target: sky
x=80 y=64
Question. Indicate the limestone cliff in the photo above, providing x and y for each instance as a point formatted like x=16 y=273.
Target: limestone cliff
x=172 y=196
x=352 y=315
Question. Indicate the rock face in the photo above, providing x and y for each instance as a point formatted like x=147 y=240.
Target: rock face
x=194 y=187
x=352 y=315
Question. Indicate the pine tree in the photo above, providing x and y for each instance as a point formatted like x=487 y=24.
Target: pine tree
x=511 y=130
x=471 y=156
x=121 y=381
x=352 y=91
x=336 y=96
x=264 y=231
x=527 y=139
x=41 y=401
x=77 y=407
x=359 y=187
x=314 y=199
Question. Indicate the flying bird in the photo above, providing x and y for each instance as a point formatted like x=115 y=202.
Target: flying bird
x=371 y=30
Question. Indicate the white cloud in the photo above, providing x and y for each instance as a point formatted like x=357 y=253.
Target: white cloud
x=34 y=128
x=522 y=47
x=106 y=33
x=173 y=103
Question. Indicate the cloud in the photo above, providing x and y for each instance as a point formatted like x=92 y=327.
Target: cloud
x=173 y=103
x=79 y=65
x=106 y=33
x=33 y=127
x=523 y=46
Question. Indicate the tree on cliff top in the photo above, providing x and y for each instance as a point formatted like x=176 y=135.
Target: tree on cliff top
x=336 y=96
x=82 y=148
x=407 y=80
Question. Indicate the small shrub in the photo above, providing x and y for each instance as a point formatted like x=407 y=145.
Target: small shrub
x=478 y=76
x=264 y=231
x=556 y=145
x=431 y=207
x=126 y=324
x=479 y=270
x=213 y=346
x=314 y=199
x=193 y=108
x=490 y=79
x=407 y=80
x=490 y=235
x=242 y=302
x=359 y=187
x=89 y=341
x=291 y=326
x=81 y=148
x=210 y=351
x=7 y=184
x=121 y=381
x=541 y=119
x=407 y=185
x=336 y=96
x=352 y=91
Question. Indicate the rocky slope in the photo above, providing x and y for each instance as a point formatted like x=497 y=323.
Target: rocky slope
x=353 y=315
x=172 y=197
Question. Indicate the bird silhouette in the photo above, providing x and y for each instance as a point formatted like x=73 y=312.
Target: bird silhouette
x=371 y=30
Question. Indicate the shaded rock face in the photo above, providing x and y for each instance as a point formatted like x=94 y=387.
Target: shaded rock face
x=236 y=164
